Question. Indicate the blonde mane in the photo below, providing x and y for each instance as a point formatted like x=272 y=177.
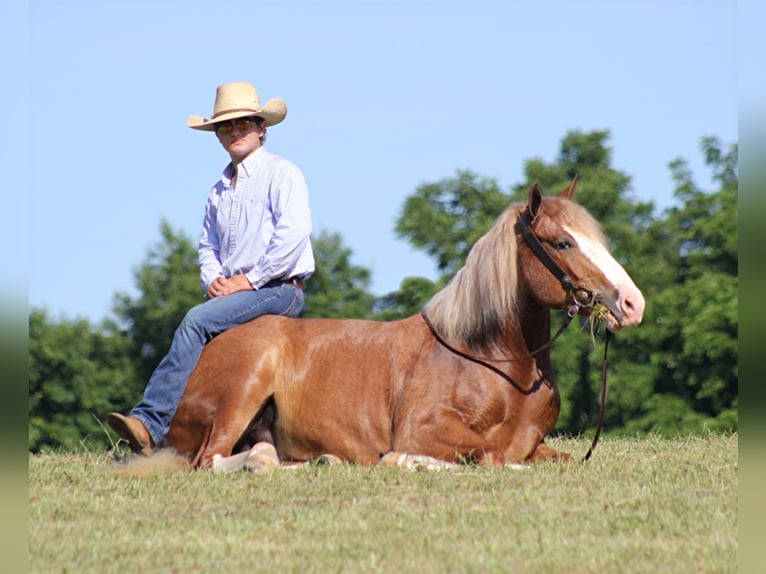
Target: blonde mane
x=481 y=297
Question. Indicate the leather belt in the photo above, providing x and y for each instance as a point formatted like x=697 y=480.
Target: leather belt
x=296 y=281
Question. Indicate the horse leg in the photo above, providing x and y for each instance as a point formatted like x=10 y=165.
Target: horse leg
x=262 y=457
x=544 y=453
x=447 y=438
x=234 y=422
x=414 y=461
x=260 y=430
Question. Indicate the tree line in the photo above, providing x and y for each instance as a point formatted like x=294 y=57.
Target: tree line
x=676 y=373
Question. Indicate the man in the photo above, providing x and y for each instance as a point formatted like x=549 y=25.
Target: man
x=254 y=253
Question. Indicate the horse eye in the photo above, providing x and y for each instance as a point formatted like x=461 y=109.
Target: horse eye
x=562 y=245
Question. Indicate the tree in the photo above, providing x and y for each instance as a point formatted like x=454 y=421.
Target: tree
x=337 y=289
x=695 y=327
x=676 y=372
x=168 y=283
x=410 y=299
x=77 y=373
x=684 y=262
x=628 y=224
x=446 y=218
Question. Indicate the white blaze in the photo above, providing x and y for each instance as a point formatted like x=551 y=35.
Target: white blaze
x=601 y=258
x=630 y=301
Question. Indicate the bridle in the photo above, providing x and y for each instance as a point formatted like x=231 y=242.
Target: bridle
x=581 y=298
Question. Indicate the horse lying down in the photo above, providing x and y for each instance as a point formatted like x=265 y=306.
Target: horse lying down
x=469 y=379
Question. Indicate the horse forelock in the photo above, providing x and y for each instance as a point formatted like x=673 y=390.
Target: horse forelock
x=478 y=301
x=574 y=217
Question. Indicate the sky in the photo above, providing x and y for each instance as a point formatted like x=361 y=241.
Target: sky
x=382 y=97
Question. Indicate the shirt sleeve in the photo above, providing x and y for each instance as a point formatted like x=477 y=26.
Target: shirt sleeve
x=292 y=227
x=208 y=251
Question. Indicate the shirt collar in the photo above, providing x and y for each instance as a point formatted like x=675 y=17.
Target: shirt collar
x=247 y=166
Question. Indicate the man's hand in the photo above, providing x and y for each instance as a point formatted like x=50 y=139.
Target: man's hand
x=228 y=285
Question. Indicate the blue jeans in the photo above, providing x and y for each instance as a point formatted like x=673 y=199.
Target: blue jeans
x=201 y=324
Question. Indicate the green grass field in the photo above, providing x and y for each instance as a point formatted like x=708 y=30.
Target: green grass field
x=639 y=505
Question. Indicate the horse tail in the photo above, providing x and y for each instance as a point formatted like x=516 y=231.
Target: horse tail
x=163 y=461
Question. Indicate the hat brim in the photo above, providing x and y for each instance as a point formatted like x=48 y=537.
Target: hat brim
x=272 y=113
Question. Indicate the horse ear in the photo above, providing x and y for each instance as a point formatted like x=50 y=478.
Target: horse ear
x=568 y=192
x=535 y=201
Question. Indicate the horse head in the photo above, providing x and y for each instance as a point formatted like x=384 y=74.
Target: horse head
x=566 y=263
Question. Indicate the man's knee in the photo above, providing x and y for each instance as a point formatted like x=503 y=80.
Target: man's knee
x=196 y=320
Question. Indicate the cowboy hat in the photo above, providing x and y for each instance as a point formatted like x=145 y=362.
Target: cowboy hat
x=239 y=100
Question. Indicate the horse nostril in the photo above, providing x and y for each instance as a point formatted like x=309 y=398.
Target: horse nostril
x=633 y=307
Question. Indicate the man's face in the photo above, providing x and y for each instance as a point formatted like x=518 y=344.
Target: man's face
x=240 y=137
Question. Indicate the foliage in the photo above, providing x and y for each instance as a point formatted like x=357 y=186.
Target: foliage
x=412 y=296
x=677 y=372
x=446 y=218
x=685 y=261
x=76 y=374
x=168 y=285
x=337 y=288
x=696 y=329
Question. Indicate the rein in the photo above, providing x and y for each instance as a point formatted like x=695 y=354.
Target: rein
x=582 y=298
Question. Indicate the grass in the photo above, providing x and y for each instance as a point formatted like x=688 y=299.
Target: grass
x=639 y=505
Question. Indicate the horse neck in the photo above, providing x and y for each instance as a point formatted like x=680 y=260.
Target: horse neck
x=530 y=330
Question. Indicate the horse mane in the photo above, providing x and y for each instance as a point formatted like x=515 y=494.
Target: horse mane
x=478 y=301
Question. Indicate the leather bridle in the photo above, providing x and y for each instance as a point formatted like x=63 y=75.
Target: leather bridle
x=580 y=299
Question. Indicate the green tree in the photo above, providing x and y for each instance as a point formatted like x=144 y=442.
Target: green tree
x=77 y=372
x=676 y=372
x=337 y=289
x=694 y=322
x=168 y=285
x=446 y=218
x=408 y=300
x=629 y=225
x=684 y=262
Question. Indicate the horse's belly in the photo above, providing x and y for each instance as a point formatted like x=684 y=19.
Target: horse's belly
x=352 y=425
x=310 y=441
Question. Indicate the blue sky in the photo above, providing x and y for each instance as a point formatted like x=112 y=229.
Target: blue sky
x=382 y=96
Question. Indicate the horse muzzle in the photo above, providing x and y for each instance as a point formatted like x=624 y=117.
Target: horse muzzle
x=625 y=309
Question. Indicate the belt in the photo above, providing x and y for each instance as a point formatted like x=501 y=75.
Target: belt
x=296 y=281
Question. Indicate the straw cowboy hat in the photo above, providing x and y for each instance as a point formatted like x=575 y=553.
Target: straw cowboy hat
x=239 y=100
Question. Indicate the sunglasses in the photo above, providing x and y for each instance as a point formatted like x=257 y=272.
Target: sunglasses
x=242 y=124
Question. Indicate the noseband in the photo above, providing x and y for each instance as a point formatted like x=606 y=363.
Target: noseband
x=581 y=299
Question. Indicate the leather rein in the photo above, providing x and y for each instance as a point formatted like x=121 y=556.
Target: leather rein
x=581 y=299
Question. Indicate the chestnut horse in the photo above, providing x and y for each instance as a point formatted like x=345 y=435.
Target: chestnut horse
x=479 y=387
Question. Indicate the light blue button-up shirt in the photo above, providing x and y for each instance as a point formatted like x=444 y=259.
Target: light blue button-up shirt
x=260 y=227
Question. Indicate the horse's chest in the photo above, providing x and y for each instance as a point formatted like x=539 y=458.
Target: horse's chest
x=507 y=400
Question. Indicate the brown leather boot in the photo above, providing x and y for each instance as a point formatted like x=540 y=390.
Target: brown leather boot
x=132 y=430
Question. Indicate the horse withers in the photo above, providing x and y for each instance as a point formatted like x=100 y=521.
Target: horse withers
x=360 y=389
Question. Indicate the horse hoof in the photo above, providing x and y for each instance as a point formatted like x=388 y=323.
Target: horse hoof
x=327 y=460
x=229 y=463
x=262 y=457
